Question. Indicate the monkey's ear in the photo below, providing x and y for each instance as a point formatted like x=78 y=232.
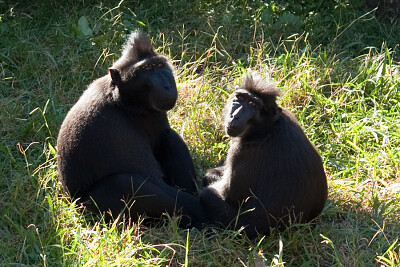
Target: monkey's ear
x=115 y=76
x=277 y=113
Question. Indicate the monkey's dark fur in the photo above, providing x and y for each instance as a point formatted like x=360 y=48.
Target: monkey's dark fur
x=116 y=150
x=272 y=172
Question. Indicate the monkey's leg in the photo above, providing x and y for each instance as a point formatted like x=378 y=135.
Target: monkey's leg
x=139 y=196
x=217 y=209
x=255 y=218
x=176 y=162
x=213 y=175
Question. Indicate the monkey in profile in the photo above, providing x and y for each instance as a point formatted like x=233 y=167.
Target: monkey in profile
x=116 y=149
x=273 y=175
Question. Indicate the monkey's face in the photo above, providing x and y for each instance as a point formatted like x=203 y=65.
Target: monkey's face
x=160 y=83
x=241 y=111
x=150 y=84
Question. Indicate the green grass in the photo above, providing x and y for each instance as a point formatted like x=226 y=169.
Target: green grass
x=336 y=62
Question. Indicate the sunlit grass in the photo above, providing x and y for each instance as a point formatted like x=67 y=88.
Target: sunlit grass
x=338 y=69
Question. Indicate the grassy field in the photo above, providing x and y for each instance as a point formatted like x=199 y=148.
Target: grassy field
x=336 y=62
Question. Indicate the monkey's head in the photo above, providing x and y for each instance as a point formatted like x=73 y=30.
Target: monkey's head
x=142 y=77
x=250 y=106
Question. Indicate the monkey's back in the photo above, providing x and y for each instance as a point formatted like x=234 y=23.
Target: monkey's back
x=97 y=139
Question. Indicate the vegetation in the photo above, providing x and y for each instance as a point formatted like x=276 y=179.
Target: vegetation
x=337 y=63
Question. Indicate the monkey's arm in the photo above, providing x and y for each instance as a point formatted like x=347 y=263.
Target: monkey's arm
x=135 y=195
x=176 y=162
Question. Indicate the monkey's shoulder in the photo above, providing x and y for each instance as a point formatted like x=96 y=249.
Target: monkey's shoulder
x=288 y=127
x=93 y=114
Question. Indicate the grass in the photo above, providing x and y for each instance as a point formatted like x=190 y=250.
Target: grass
x=337 y=63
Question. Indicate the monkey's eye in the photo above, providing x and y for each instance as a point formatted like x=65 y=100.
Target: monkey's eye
x=252 y=103
x=239 y=97
x=160 y=65
x=148 y=67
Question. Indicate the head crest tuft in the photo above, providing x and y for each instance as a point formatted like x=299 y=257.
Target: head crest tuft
x=138 y=47
x=261 y=87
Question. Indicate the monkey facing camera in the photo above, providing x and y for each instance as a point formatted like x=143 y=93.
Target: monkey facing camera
x=272 y=176
x=116 y=150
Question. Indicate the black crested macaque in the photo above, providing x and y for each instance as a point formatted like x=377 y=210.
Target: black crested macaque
x=116 y=150
x=272 y=176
